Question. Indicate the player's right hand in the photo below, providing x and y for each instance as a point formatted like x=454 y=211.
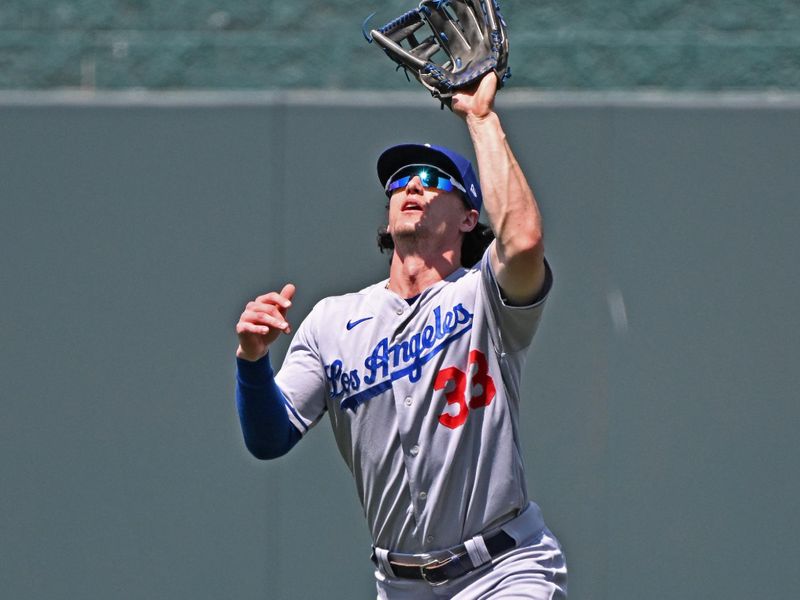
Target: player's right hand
x=262 y=322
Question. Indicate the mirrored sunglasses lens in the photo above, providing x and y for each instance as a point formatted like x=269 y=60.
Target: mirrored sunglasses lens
x=429 y=176
x=398 y=183
x=426 y=177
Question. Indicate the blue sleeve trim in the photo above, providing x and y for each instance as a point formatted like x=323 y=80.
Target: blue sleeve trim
x=268 y=432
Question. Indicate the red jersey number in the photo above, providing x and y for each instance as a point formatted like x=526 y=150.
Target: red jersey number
x=465 y=391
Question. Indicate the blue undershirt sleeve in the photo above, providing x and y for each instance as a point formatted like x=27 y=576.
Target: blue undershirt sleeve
x=266 y=428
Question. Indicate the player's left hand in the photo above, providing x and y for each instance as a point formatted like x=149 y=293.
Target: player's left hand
x=477 y=101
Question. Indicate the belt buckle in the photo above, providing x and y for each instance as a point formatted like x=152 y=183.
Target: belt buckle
x=435 y=564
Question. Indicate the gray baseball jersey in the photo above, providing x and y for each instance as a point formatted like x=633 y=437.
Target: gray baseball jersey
x=423 y=399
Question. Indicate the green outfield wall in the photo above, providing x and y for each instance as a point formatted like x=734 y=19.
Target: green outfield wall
x=660 y=398
x=308 y=44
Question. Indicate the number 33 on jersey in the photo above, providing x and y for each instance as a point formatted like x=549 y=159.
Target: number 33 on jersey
x=464 y=391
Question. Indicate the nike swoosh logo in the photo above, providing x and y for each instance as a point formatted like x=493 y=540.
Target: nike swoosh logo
x=351 y=324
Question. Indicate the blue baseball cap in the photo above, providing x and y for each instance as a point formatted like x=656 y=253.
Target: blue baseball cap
x=395 y=158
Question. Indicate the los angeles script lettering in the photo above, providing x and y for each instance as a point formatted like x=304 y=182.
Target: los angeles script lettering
x=387 y=358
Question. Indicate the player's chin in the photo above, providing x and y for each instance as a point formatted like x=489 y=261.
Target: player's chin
x=407 y=223
x=407 y=230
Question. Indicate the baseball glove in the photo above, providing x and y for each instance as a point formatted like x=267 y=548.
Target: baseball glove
x=465 y=40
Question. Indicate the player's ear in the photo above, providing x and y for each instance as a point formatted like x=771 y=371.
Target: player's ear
x=470 y=220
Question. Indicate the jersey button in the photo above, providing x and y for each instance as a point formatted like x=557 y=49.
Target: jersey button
x=399 y=311
x=430 y=539
x=423 y=495
x=409 y=401
x=414 y=450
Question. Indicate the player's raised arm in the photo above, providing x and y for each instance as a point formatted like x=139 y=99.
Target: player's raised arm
x=266 y=428
x=518 y=254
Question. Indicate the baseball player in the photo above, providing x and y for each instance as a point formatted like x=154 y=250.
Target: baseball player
x=419 y=375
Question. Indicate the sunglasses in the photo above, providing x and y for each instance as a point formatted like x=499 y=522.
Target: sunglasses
x=431 y=177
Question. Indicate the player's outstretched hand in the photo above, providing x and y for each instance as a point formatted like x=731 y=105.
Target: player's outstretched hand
x=477 y=101
x=262 y=321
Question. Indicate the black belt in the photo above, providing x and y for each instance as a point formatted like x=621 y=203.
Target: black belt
x=437 y=572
